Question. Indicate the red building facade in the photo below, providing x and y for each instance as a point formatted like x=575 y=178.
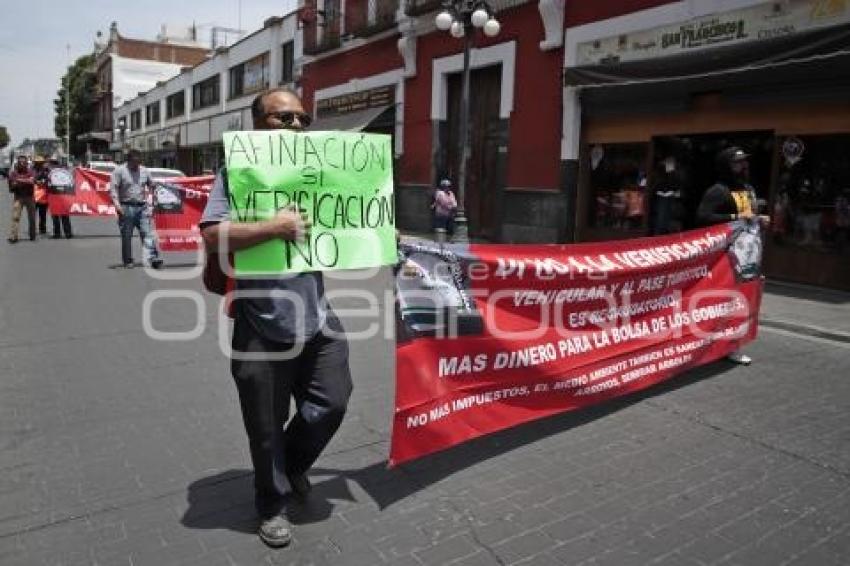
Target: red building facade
x=380 y=66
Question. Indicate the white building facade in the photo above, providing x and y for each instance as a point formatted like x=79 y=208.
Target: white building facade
x=179 y=122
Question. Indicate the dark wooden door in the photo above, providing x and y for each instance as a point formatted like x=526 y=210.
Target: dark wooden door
x=482 y=188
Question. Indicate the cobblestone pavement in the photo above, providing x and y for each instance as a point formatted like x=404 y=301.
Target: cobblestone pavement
x=118 y=449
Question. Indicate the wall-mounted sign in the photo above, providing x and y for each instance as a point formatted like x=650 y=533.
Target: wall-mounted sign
x=169 y=137
x=356 y=101
x=760 y=22
x=225 y=123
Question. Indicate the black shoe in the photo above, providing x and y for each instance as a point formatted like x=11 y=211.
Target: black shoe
x=275 y=531
x=69 y=236
x=12 y=240
x=32 y=238
x=156 y=263
x=129 y=265
x=300 y=485
x=55 y=237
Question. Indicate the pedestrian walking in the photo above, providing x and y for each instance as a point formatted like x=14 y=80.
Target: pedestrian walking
x=130 y=189
x=445 y=207
x=269 y=323
x=40 y=178
x=731 y=198
x=22 y=187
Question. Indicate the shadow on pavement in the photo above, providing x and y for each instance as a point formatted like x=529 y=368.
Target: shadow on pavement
x=222 y=501
x=818 y=294
x=182 y=265
x=92 y=236
x=225 y=500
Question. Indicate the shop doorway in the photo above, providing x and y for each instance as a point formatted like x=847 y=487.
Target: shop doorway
x=482 y=188
x=695 y=162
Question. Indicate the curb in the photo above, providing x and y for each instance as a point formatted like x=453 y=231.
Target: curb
x=814 y=331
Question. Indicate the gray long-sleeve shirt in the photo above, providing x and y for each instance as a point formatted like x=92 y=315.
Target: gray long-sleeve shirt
x=129 y=186
x=289 y=308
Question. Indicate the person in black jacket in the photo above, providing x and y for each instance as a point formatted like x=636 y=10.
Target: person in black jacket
x=731 y=198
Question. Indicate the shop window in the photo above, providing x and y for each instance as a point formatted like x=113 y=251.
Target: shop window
x=208 y=159
x=811 y=207
x=617 y=198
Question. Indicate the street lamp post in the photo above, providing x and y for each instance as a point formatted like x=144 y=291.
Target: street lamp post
x=122 y=133
x=461 y=18
x=68 y=108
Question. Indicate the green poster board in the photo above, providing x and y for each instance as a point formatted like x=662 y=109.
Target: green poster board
x=343 y=181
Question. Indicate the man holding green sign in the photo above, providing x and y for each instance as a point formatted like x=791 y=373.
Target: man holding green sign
x=290 y=205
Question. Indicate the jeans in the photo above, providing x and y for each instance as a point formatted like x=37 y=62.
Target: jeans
x=137 y=216
x=320 y=382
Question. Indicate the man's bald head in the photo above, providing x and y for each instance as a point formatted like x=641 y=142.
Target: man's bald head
x=273 y=101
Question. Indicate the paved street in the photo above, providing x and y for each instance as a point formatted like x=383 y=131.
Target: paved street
x=119 y=449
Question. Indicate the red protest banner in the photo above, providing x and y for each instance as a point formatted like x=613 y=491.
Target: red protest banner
x=178 y=206
x=84 y=194
x=493 y=336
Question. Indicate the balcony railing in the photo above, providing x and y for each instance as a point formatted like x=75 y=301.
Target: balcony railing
x=419 y=7
x=322 y=33
x=368 y=17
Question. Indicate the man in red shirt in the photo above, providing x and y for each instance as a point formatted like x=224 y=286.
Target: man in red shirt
x=21 y=185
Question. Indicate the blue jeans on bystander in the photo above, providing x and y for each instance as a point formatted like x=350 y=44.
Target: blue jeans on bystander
x=137 y=216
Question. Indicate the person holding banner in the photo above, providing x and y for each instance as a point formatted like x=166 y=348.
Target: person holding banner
x=287 y=343
x=21 y=185
x=40 y=173
x=61 y=222
x=130 y=190
x=731 y=198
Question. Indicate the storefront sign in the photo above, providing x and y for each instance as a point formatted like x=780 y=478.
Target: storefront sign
x=169 y=137
x=342 y=181
x=492 y=336
x=346 y=103
x=231 y=122
x=761 y=22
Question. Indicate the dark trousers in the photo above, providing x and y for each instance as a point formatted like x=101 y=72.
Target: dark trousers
x=42 y=217
x=319 y=381
x=61 y=224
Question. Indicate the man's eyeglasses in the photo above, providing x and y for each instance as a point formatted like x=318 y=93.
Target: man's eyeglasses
x=288 y=118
